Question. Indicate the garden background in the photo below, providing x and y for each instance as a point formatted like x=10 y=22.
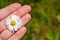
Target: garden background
x=45 y=23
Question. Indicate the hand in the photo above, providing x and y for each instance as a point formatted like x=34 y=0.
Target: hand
x=21 y=11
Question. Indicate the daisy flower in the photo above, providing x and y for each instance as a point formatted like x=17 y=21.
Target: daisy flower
x=13 y=23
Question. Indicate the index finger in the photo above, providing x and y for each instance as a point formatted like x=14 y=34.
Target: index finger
x=7 y=10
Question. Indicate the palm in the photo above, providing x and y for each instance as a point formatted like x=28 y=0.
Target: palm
x=22 y=12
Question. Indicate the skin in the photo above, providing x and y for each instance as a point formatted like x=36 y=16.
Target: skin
x=22 y=12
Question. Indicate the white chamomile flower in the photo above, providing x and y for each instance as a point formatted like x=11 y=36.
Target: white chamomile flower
x=13 y=23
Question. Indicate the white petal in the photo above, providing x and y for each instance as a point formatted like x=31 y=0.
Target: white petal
x=8 y=21
x=15 y=28
x=10 y=28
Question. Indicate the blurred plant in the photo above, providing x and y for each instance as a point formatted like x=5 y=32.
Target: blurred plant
x=58 y=18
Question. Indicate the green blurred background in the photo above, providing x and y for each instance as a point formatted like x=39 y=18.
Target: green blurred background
x=45 y=23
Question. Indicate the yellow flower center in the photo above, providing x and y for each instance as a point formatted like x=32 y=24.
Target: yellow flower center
x=13 y=22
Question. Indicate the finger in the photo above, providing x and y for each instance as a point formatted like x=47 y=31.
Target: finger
x=5 y=34
x=7 y=10
x=0 y=39
x=19 y=34
x=22 y=11
x=24 y=19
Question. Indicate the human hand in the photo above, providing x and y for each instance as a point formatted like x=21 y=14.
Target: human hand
x=21 y=11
